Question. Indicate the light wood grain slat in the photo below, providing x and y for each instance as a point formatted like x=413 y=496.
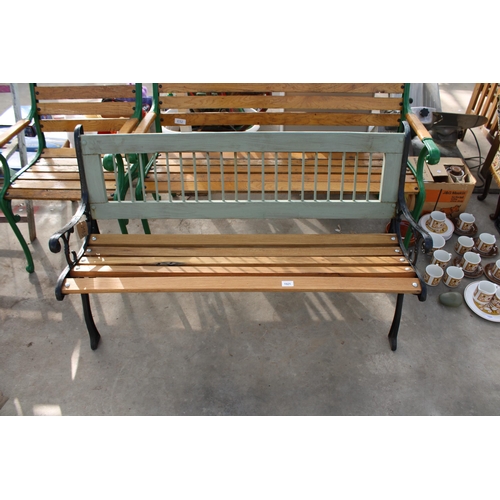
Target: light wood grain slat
x=295 y=102
x=241 y=240
x=303 y=118
x=167 y=253
x=89 y=125
x=302 y=261
x=85 y=92
x=43 y=194
x=124 y=271
x=370 y=88
x=108 y=109
x=241 y=284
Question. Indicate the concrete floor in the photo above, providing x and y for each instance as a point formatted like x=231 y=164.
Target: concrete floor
x=241 y=354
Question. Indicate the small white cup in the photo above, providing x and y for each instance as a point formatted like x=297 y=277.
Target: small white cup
x=436 y=221
x=441 y=258
x=453 y=276
x=433 y=274
x=464 y=244
x=485 y=242
x=438 y=242
x=495 y=302
x=470 y=262
x=495 y=272
x=465 y=221
x=484 y=293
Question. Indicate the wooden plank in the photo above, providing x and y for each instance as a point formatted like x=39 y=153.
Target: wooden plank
x=370 y=88
x=285 y=118
x=43 y=194
x=296 y=102
x=302 y=261
x=241 y=284
x=240 y=240
x=84 y=92
x=142 y=271
x=52 y=184
x=59 y=153
x=89 y=125
x=168 y=254
x=105 y=109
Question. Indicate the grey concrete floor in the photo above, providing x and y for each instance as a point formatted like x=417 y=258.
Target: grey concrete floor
x=241 y=354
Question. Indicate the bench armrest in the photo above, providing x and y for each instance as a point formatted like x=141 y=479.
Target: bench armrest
x=429 y=154
x=12 y=131
x=129 y=126
x=433 y=154
x=146 y=123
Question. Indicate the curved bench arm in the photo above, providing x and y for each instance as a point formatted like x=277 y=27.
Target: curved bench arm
x=12 y=131
x=429 y=154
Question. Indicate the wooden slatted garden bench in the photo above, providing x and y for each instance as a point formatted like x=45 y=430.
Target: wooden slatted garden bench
x=287 y=107
x=354 y=262
x=52 y=174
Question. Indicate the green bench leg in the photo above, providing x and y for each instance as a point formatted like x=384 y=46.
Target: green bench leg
x=6 y=207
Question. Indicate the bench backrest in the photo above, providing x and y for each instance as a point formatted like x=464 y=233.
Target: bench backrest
x=230 y=106
x=218 y=168
x=484 y=102
x=101 y=108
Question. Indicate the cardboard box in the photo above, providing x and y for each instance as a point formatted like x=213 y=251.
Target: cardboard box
x=441 y=191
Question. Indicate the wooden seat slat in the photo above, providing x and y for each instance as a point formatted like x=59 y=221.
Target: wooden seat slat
x=244 y=240
x=241 y=284
x=302 y=261
x=168 y=253
x=221 y=270
x=44 y=194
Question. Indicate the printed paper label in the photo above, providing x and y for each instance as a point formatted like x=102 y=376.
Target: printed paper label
x=287 y=283
x=180 y=121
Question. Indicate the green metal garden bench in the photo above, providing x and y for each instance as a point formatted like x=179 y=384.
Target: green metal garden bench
x=52 y=174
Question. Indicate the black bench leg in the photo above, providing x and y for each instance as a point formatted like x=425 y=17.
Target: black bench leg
x=89 y=321
x=393 y=333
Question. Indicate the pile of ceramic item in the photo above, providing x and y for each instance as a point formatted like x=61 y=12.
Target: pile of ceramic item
x=483 y=297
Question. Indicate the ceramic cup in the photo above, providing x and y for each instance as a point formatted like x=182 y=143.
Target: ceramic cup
x=470 y=262
x=433 y=274
x=485 y=242
x=484 y=293
x=465 y=221
x=436 y=221
x=464 y=244
x=495 y=272
x=441 y=258
x=453 y=276
x=495 y=301
x=438 y=242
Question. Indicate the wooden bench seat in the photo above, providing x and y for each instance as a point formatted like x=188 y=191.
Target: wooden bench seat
x=53 y=173
x=371 y=189
x=251 y=262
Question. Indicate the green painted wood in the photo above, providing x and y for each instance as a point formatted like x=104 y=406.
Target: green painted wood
x=296 y=209
x=348 y=207
x=355 y=142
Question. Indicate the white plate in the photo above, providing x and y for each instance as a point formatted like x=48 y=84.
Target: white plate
x=468 y=293
x=450 y=227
